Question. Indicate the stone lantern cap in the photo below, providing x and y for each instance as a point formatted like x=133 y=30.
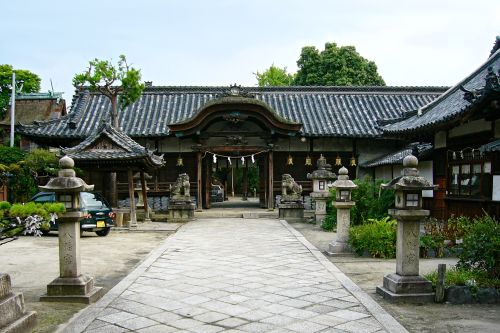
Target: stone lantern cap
x=410 y=179
x=323 y=171
x=343 y=181
x=67 y=180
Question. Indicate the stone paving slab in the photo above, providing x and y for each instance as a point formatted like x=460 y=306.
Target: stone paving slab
x=235 y=275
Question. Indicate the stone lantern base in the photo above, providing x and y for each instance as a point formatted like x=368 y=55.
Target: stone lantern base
x=406 y=289
x=291 y=211
x=73 y=290
x=180 y=211
x=406 y=285
x=13 y=315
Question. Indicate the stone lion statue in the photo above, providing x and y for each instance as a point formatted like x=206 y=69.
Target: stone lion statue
x=290 y=190
x=180 y=190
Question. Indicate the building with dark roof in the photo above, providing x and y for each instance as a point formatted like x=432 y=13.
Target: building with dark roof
x=264 y=124
x=463 y=125
x=215 y=134
x=32 y=107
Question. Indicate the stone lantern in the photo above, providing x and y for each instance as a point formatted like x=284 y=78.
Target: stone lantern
x=343 y=204
x=321 y=178
x=406 y=284
x=71 y=285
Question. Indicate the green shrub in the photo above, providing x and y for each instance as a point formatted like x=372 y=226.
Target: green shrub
x=330 y=222
x=42 y=162
x=30 y=218
x=10 y=155
x=371 y=201
x=464 y=277
x=377 y=237
x=455 y=228
x=481 y=247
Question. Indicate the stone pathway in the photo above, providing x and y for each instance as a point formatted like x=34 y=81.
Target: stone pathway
x=235 y=275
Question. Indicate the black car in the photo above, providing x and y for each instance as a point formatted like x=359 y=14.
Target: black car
x=98 y=216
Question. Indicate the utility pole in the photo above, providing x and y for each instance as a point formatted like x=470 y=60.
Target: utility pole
x=12 y=108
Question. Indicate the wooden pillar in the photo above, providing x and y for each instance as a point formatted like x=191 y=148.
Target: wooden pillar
x=270 y=172
x=232 y=182
x=145 y=197
x=245 y=182
x=208 y=183
x=113 y=196
x=133 y=216
x=199 y=197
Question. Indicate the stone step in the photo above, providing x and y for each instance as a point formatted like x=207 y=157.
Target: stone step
x=24 y=324
x=11 y=308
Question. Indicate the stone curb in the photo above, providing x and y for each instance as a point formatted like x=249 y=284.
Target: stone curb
x=385 y=319
x=85 y=317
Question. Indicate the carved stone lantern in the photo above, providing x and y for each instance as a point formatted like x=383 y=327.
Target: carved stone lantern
x=343 y=204
x=321 y=178
x=71 y=285
x=406 y=284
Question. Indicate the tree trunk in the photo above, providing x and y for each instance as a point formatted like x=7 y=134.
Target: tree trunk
x=112 y=179
x=114 y=111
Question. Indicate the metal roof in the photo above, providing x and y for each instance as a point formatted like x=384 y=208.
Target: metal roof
x=448 y=106
x=421 y=150
x=323 y=111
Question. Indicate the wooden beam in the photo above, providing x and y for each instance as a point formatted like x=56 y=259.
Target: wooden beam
x=245 y=181
x=133 y=216
x=144 y=197
x=270 y=197
x=199 y=198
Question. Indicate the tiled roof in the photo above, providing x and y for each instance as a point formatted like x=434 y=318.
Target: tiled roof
x=323 y=111
x=491 y=146
x=120 y=148
x=448 y=106
x=420 y=150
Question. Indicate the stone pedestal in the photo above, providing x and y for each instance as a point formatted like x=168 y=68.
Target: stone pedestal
x=320 y=199
x=406 y=285
x=180 y=211
x=71 y=285
x=291 y=211
x=13 y=316
x=340 y=246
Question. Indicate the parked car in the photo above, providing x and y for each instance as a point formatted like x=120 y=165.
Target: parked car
x=98 y=216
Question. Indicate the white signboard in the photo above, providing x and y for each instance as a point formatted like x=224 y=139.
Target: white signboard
x=496 y=188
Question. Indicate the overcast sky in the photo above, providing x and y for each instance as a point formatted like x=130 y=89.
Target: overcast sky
x=221 y=42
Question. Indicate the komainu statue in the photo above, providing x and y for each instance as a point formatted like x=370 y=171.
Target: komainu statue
x=290 y=190
x=180 y=190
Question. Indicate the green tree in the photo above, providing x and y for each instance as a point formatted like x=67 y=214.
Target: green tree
x=335 y=66
x=31 y=84
x=274 y=76
x=112 y=81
